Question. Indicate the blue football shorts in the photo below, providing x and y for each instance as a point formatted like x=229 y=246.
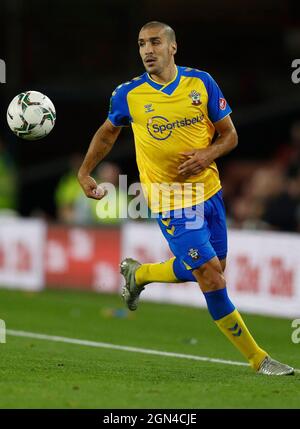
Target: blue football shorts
x=196 y=234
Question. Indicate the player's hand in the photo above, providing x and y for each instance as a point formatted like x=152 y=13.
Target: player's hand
x=91 y=189
x=196 y=161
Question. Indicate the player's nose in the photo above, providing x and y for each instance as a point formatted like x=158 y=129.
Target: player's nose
x=148 y=49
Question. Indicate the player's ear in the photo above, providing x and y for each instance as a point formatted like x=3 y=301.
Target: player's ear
x=174 y=48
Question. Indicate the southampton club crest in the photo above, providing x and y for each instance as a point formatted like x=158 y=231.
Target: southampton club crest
x=195 y=96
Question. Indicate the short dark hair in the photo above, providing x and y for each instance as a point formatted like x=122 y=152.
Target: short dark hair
x=168 y=30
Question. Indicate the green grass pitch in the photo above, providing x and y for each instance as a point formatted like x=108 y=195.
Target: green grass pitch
x=45 y=374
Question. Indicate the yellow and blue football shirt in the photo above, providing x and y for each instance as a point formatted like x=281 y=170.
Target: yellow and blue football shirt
x=168 y=119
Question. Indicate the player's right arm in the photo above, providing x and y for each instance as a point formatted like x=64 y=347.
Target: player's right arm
x=103 y=141
x=100 y=146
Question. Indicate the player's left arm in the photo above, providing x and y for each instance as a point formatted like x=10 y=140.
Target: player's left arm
x=199 y=159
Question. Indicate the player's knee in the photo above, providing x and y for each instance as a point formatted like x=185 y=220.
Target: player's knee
x=214 y=281
x=223 y=264
x=210 y=277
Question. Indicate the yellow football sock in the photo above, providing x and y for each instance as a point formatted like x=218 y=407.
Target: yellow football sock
x=159 y=272
x=236 y=331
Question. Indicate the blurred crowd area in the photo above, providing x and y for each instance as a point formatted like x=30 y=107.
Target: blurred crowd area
x=265 y=194
x=259 y=195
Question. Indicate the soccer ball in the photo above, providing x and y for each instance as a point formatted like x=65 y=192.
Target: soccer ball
x=31 y=115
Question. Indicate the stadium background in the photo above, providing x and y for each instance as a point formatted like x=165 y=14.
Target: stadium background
x=77 y=53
